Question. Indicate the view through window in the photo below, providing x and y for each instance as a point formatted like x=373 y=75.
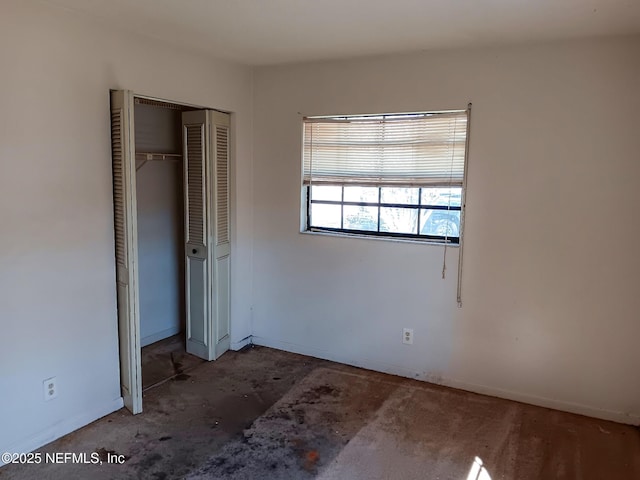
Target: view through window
x=430 y=212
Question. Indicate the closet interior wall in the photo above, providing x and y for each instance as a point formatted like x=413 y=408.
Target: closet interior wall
x=160 y=208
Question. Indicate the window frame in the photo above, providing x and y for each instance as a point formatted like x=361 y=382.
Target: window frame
x=461 y=184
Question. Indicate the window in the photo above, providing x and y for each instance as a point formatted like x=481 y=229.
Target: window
x=398 y=175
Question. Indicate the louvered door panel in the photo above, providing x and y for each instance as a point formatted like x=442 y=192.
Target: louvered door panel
x=222 y=251
x=206 y=151
x=197 y=235
x=118 y=186
x=195 y=136
x=126 y=244
x=222 y=184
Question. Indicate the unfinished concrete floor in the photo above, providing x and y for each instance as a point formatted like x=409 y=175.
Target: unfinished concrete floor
x=267 y=414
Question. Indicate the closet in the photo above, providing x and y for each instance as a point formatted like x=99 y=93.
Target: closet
x=172 y=245
x=160 y=210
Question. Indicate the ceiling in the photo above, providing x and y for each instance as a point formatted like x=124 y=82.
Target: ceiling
x=264 y=32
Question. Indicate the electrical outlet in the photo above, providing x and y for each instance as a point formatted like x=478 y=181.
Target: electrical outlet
x=407 y=336
x=50 y=386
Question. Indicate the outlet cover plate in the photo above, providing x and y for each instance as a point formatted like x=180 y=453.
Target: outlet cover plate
x=50 y=388
x=407 y=336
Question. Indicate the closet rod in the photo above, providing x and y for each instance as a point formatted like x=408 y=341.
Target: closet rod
x=157 y=156
x=144 y=157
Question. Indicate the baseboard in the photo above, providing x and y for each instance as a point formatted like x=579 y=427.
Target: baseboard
x=241 y=344
x=62 y=428
x=156 y=337
x=619 y=417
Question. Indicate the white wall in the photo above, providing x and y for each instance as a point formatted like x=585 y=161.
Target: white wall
x=160 y=224
x=550 y=281
x=160 y=250
x=57 y=281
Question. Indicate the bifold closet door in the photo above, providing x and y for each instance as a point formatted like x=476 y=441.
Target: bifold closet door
x=207 y=246
x=125 y=218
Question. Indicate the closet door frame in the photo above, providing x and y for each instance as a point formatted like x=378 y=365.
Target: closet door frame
x=129 y=303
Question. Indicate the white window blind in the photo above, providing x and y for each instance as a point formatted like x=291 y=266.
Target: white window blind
x=412 y=150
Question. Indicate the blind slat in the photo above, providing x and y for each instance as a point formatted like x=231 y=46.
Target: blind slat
x=405 y=149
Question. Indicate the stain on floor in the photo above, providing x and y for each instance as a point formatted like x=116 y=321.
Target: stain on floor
x=267 y=414
x=166 y=359
x=303 y=431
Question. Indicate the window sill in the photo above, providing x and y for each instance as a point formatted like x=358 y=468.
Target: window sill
x=380 y=238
